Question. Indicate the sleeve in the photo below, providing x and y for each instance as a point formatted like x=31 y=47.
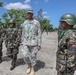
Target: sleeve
x=17 y=41
x=72 y=47
x=22 y=37
x=6 y=38
x=73 y=40
x=18 y=36
x=39 y=34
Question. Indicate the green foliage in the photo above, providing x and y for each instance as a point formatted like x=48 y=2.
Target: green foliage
x=18 y=15
x=45 y=25
x=1 y=4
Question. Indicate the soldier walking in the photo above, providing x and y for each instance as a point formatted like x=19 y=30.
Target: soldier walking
x=66 y=53
x=12 y=43
x=31 y=41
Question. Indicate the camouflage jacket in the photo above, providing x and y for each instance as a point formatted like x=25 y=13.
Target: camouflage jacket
x=12 y=38
x=1 y=37
x=66 y=53
x=59 y=34
x=31 y=33
x=74 y=26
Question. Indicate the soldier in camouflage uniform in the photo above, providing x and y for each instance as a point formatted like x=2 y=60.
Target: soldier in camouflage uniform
x=31 y=41
x=66 y=53
x=12 y=42
x=1 y=41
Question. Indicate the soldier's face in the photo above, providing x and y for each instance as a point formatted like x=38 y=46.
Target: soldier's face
x=29 y=15
x=11 y=25
x=64 y=25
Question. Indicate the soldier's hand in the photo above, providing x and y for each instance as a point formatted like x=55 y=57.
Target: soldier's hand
x=39 y=47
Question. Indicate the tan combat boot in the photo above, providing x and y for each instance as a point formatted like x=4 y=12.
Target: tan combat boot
x=32 y=71
x=28 y=69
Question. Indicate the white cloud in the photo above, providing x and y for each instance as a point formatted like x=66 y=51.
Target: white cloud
x=36 y=2
x=27 y=1
x=46 y=16
x=17 y=5
x=44 y=12
x=46 y=0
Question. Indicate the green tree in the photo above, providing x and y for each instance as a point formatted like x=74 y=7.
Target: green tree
x=5 y=19
x=11 y=13
x=1 y=4
x=5 y=16
x=45 y=25
x=18 y=15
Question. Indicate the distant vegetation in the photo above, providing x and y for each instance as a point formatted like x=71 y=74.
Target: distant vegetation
x=20 y=16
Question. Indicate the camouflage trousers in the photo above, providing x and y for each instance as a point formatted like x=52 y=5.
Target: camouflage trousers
x=30 y=53
x=12 y=52
x=64 y=73
x=1 y=51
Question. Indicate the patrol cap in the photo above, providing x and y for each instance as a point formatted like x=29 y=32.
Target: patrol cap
x=29 y=11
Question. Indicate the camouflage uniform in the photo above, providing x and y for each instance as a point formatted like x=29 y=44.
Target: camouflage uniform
x=66 y=53
x=31 y=38
x=59 y=33
x=12 y=43
x=19 y=34
x=74 y=26
x=1 y=41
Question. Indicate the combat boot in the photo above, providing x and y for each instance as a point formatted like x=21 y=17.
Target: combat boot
x=28 y=69
x=13 y=65
x=32 y=71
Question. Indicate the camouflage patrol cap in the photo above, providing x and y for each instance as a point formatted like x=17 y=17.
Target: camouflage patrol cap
x=69 y=19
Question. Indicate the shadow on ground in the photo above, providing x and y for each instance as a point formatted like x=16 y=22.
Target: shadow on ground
x=39 y=65
x=6 y=58
x=20 y=61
